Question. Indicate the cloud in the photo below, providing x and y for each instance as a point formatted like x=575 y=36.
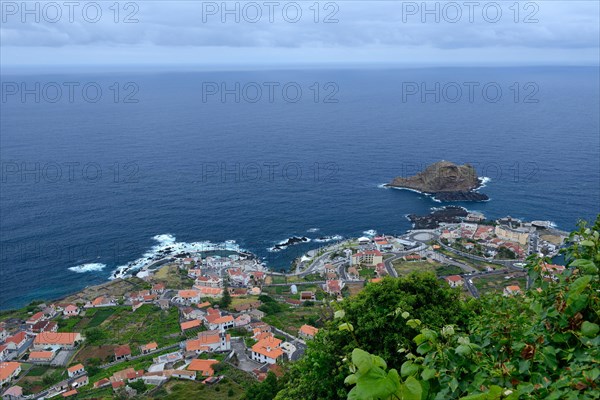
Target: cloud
x=558 y=27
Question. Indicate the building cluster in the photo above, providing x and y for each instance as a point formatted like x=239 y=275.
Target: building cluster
x=37 y=341
x=487 y=240
x=522 y=238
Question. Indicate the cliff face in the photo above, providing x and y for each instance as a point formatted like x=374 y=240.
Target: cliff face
x=446 y=181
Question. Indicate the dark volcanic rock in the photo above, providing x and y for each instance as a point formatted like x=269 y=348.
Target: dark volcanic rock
x=460 y=196
x=445 y=181
x=449 y=215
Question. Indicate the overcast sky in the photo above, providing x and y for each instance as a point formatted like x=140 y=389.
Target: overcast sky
x=281 y=32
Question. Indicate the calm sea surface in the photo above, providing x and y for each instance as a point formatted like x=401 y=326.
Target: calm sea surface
x=281 y=153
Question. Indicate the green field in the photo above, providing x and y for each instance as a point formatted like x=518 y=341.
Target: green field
x=121 y=325
x=406 y=267
x=366 y=273
x=446 y=270
x=497 y=283
x=290 y=319
x=100 y=316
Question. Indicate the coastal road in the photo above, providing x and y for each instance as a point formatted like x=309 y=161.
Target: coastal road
x=443 y=259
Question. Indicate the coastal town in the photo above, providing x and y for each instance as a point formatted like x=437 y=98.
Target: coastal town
x=218 y=321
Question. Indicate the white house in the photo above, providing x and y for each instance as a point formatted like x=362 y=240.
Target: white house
x=455 y=281
x=8 y=371
x=267 y=350
x=75 y=370
x=71 y=310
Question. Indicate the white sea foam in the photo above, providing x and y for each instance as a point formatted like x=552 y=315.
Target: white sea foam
x=89 y=267
x=370 y=232
x=284 y=244
x=484 y=181
x=326 y=239
x=167 y=247
x=313 y=230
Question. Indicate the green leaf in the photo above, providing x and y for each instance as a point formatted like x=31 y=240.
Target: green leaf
x=424 y=348
x=524 y=366
x=411 y=389
x=408 y=368
x=589 y=329
x=413 y=323
x=351 y=379
x=587 y=243
x=339 y=314
x=495 y=392
x=346 y=326
x=379 y=362
x=428 y=373
x=463 y=350
x=592 y=375
x=453 y=384
x=587 y=266
x=578 y=286
x=362 y=360
x=479 y=396
x=405 y=315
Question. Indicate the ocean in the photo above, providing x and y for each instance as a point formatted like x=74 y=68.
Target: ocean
x=98 y=168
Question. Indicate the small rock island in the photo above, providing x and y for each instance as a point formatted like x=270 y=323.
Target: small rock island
x=444 y=181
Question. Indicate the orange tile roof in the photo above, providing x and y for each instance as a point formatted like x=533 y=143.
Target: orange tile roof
x=202 y=305
x=454 y=278
x=16 y=338
x=205 y=366
x=309 y=330
x=186 y=294
x=41 y=355
x=210 y=290
x=70 y=393
x=150 y=346
x=75 y=368
x=190 y=324
x=98 y=300
x=268 y=347
x=195 y=345
x=36 y=316
x=123 y=350
x=223 y=320
x=62 y=338
x=7 y=369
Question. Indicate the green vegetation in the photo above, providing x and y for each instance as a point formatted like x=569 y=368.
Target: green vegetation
x=101 y=315
x=406 y=267
x=505 y=253
x=37 y=370
x=497 y=283
x=366 y=272
x=175 y=390
x=446 y=270
x=172 y=276
x=225 y=301
x=412 y=339
x=146 y=324
x=373 y=312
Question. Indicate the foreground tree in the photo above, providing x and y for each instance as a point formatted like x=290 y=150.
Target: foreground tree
x=542 y=345
x=373 y=321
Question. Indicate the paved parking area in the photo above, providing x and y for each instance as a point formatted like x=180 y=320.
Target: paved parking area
x=245 y=363
x=62 y=358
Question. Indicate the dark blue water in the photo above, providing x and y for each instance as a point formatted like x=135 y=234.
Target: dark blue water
x=87 y=182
